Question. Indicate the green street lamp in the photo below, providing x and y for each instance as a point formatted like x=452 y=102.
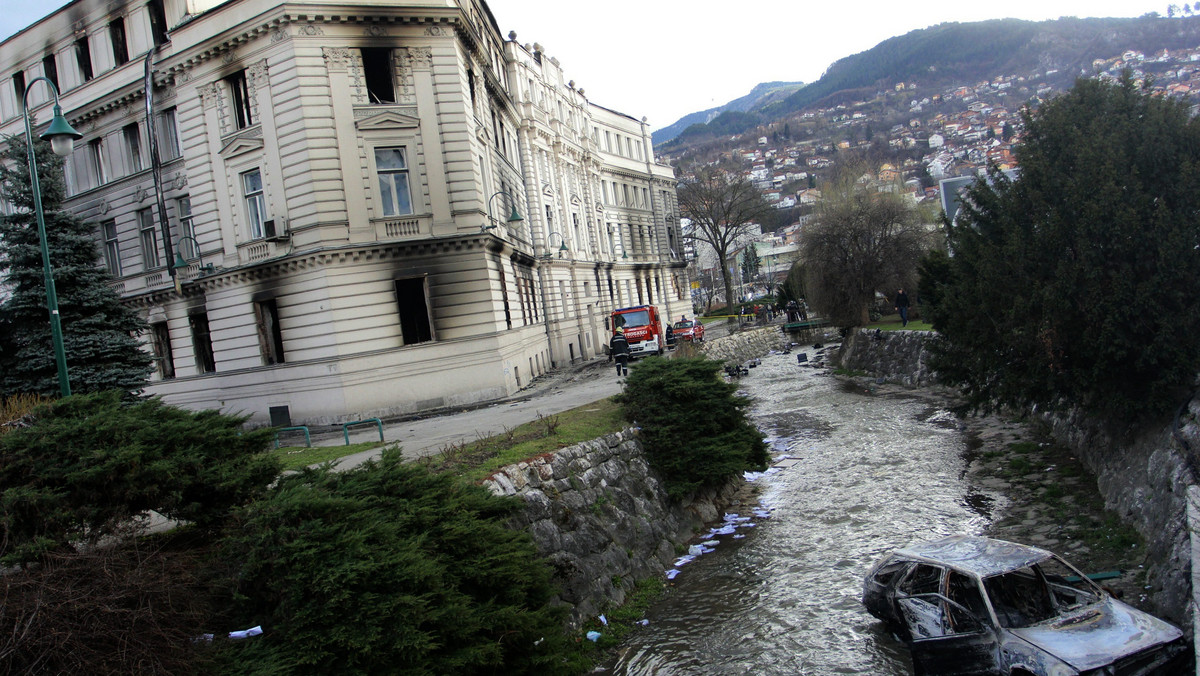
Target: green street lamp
x=562 y=247
x=62 y=137
x=513 y=217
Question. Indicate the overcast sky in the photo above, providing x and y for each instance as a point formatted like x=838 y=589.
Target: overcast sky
x=663 y=59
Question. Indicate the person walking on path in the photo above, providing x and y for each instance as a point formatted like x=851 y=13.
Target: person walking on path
x=618 y=349
x=902 y=306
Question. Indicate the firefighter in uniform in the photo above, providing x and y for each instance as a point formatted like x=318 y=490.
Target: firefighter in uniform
x=618 y=349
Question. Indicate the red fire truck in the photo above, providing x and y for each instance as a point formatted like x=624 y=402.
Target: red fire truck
x=643 y=329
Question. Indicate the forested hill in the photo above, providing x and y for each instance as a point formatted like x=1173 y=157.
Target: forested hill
x=966 y=53
x=762 y=94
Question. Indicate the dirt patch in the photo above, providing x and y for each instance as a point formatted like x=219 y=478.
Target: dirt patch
x=1053 y=503
x=1036 y=492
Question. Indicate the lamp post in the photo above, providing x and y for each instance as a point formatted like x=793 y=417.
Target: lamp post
x=62 y=137
x=513 y=217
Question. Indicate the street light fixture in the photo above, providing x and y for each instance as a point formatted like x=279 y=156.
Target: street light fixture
x=62 y=137
x=181 y=262
x=513 y=217
x=562 y=248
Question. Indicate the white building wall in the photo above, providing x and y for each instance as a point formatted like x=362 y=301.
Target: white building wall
x=503 y=303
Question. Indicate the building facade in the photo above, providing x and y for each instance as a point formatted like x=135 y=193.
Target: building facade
x=383 y=207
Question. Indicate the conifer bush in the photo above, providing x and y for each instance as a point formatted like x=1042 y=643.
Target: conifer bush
x=89 y=463
x=99 y=332
x=388 y=568
x=1077 y=283
x=693 y=424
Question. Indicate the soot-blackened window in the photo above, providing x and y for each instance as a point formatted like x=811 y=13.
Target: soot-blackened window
x=413 y=305
x=377 y=71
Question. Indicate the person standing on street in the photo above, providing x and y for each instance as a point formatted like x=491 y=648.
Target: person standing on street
x=618 y=349
x=902 y=306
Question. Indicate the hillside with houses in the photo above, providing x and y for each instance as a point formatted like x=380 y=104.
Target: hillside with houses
x=907 y=137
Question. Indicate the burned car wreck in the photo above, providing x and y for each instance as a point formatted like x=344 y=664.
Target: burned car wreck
x=973 y=605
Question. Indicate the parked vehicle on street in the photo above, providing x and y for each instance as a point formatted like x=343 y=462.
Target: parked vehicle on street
x=974 y=605
x=686 y=329
x=643 y=329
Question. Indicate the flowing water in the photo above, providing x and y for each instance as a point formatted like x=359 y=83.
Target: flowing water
x=868 y=473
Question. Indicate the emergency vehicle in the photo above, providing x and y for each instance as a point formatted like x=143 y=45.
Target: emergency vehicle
x=643 y=329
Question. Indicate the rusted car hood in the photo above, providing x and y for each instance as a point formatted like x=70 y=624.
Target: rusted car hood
x=1099 y=634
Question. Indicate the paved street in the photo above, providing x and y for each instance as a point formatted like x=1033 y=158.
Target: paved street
x=558 y=391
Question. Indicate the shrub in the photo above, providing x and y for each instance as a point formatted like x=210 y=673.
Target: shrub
x=91 y=462
x=693 y=425
x=388 y=568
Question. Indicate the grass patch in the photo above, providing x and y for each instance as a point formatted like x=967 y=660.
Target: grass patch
x=621 y=620
x=1019 y=466
x=850 y=373
x=295 y=457
x=477 y=459
x=893 y=323
x=1023 y=447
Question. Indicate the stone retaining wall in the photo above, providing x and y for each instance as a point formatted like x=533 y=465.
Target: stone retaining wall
x=602 y=518
x=896 y=356
x=1143 y=477
x=744 y=345
x=1145 y=480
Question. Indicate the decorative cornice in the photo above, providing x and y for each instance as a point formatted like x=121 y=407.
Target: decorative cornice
x=296 y=262
x=121 y=102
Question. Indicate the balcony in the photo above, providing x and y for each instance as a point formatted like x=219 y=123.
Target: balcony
x=402 y=227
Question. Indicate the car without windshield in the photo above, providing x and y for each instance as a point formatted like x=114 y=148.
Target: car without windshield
x=974 y=605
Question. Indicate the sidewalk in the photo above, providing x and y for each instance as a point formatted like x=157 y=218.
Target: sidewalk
x=562 y=389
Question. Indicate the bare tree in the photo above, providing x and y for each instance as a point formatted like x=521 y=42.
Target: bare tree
x=722 y=207
x=861 y=242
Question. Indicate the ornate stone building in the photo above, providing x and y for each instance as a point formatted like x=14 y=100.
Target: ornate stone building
x=341 y=180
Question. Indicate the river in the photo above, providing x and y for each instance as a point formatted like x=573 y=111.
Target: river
x=866 y=473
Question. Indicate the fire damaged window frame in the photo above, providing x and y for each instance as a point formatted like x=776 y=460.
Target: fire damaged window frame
x=239 y=100
x=119 y=37
x=379 y=74
x=270 y=333
x=415 y=321
x=206 y=361
x=160 y=343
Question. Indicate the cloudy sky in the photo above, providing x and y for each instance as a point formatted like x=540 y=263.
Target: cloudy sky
x=663 y=59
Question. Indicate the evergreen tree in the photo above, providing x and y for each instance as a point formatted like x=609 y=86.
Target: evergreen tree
x=1078 y=283
x=751 y=264
x=99 y=333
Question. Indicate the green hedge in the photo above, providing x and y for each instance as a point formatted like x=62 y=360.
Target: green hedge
x=388 y=568
x=90 y=462
x=693 y=424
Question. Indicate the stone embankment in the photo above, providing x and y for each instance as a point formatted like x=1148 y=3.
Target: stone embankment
x=602 y=518
x=744 y=345
x=896 y=356
x=1144 y=476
